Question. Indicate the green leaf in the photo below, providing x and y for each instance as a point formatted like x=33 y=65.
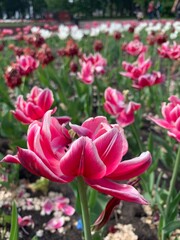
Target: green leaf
x=14 y=223
x=35 y=238
x=170 y=227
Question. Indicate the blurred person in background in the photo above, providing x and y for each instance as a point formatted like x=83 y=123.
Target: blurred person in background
x=158 y=9
x=176 y=9
x=151 y=10
x=138 y=12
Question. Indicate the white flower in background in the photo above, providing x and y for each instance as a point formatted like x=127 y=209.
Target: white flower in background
x=126 y=27
x=45 y=33
x=140 y=27
x=173 y=35
x=35 y=29
x=176 y=26
x=63 y=32
x=94 y=32
x=115 y=27
x=103 y=27
x=166 y=27
x=77 y=34
x=86 y=31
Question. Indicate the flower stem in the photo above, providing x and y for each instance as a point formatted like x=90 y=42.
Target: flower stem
x=84 y=208
x=171 y=188
x=135 y=133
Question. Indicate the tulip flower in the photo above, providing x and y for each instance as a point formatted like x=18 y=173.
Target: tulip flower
x=12 y=76
x=171 y=115
x=97 y=61
x=38 y=102
x=169 y=51
x=135 y=48
x=25 y=221
x=44 y=55
x=100 y=145
x=87 y=73
x=136 y=69
x=171 y=122
x=116 y=106
x=27 y=64
x=94 y=158
x=148 y=80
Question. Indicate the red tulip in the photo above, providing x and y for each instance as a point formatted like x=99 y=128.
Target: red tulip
x=96 y=156
x=171 y=115
x=12 y=76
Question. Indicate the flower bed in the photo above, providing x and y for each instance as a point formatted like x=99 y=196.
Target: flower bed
x=78 y=103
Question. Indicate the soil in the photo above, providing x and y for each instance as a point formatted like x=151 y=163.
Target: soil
x=127 y=213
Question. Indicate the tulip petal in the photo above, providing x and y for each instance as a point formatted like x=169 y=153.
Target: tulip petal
x=110 y=147
x=35 y=165
x=131 y=168
x=121 y=191
x=10 y=159
x=45 y=100
x=20 y=116
x=81 y=131
x=105 y=214
x=34 y=111
x=94 y=125
x=82 y=159
x=162 y=123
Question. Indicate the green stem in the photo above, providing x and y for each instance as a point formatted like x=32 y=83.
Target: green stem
x=134 y=131
x=171 y=188
x=84 y=208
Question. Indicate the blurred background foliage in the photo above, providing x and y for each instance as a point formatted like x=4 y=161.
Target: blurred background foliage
x=83 y=9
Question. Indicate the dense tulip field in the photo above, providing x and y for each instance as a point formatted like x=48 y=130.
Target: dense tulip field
x=94 y=113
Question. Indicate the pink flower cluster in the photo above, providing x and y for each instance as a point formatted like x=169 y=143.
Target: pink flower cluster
x=169 y=51
x=91 y=65
x=54 y=154
x=57 y=205
x=137 y=71
x=115 y=105
x=171 y=115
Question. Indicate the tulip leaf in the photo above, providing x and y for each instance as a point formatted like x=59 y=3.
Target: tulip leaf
x=170 y=227
x=14 y=223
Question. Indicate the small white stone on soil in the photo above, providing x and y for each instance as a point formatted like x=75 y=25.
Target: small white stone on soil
x=124 y=232
x=40 y=233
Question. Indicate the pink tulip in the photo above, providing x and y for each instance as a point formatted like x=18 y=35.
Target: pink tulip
x=91 y=65
x=38 y=102
x=116 y=106
x=87 y=73
x=171 y=115
x=114 y=101
x=137 y=69
x=25 y=221
x=169 y=51
x=135 y=47
x=7 y=31
x=54 y=223
x=27 y=64
x=148 y=80
x=96 y=155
